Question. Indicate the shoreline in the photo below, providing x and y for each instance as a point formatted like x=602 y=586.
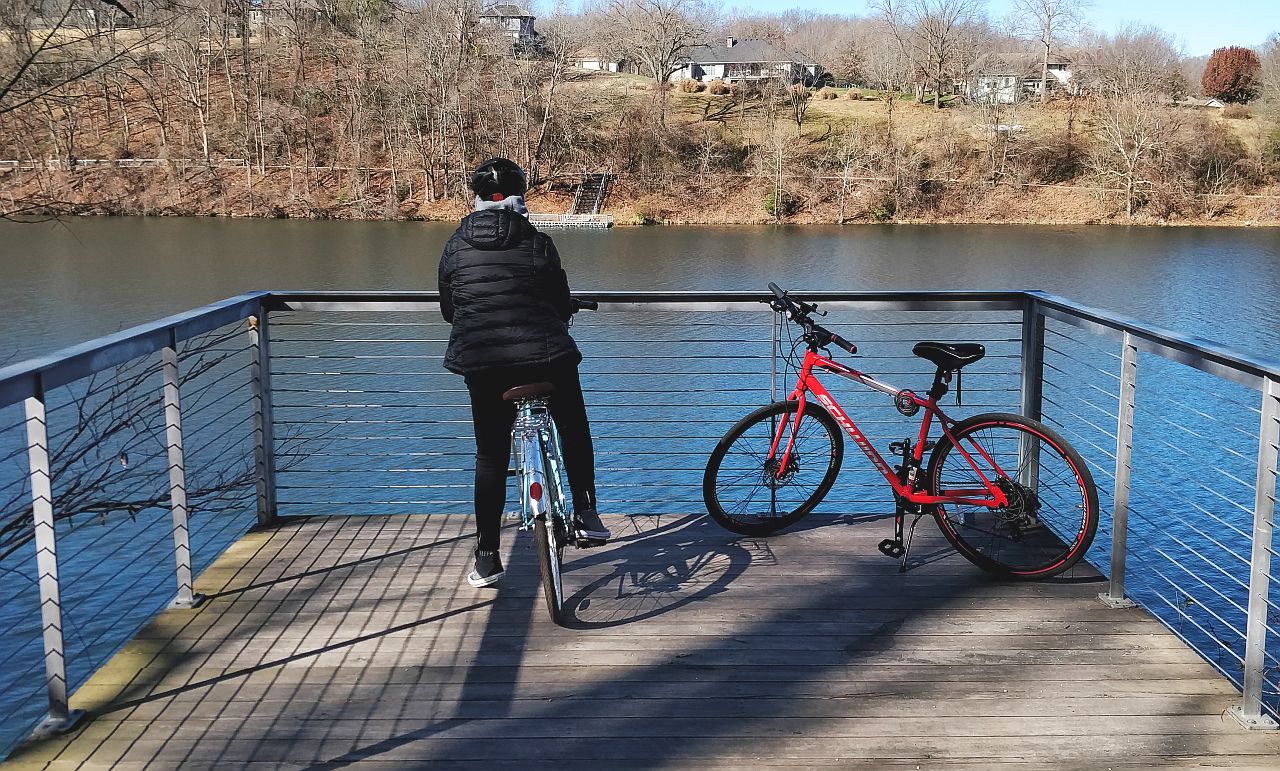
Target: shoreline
x=208 y=192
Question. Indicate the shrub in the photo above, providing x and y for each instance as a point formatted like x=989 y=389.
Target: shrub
x=827 y=93
x=884 y=209
x=1271 y=153
x=798 y=91
x=717 y=87
x=783 y=205
x=853 y=94
x=1237 y=111
x=663 y=86
x=690 y=86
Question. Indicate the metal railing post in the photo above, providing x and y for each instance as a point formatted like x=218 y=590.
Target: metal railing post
x=1032 y=388
x=1249 y=713
x=773 y=359
x=61 y=717
x=263 y=438
x=187 y=598
x=1114 y=596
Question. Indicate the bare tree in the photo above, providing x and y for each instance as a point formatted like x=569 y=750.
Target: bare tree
x=889 y=70
x=1047 y=21
x=49 y=46
x=110 y=462
x=930 y=34
x=1134 y=132
x=1269 y=80
x=1002 y=132
x=659 y=33
x=854 y=156
x=1270 y=75
x=1137 y=60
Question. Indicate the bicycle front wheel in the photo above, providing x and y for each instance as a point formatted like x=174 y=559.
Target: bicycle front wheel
x=1052 y=513
x=551 y=559
x=745 y=487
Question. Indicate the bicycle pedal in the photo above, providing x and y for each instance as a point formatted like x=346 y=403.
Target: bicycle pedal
x=589 y=543
x=890 y=547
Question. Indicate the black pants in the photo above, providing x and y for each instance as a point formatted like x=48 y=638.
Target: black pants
x=493 y=419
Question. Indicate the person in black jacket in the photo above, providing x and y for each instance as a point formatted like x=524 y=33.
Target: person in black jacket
x=507 y=297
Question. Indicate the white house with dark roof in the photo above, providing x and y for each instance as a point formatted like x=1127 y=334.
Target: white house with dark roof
x=1006 y=78
x=590 y=58
x=749 y=59
x=511 y=20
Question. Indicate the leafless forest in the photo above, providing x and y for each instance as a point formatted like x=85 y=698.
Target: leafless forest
x=376 y=109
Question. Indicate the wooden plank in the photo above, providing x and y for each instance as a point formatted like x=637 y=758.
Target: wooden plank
x=353 y=640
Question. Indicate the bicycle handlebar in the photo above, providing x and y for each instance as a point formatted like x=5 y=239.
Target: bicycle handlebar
x=585 y=305
x=818 y=336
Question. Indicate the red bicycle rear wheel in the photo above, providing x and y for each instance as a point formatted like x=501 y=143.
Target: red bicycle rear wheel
x=1052 y=514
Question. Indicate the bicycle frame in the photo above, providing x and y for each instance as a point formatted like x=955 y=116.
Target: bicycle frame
x=908 y=490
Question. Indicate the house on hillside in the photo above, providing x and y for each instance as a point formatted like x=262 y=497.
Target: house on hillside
x=512 y=21
x=1200 y=104
x=1012 y=77
x=83 y=14
x=748 y=60
x=594 y=59
x=267 y=14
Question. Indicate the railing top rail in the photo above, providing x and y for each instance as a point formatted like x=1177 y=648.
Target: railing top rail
x=1207 y=355
x=32 y=377
x=666 y=300
x=29 y=378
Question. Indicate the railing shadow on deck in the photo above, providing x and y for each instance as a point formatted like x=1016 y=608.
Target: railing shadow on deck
x=347 y=411
x=764 y=703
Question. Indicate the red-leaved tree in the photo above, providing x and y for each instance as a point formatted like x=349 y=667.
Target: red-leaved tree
x=1231 y=74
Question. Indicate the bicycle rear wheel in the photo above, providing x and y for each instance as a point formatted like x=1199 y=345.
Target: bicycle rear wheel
x=1052 y=514
x=742 y=487
x=551 y=560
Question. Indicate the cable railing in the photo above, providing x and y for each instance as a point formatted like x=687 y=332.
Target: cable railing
x=143 y=455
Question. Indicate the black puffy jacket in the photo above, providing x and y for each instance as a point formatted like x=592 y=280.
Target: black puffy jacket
x=502 y=288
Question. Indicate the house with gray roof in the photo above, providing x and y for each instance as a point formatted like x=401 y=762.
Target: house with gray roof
x=512 y=21
x=748 y=59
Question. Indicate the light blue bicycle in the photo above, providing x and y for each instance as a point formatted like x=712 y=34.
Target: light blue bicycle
x=540 y=471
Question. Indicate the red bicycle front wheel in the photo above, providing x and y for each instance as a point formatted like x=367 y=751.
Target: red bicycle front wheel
x=743 y=487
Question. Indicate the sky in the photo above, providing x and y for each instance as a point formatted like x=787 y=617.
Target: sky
x=1200 y=25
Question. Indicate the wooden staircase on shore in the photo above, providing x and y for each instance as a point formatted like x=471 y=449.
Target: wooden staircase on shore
x=590 y=194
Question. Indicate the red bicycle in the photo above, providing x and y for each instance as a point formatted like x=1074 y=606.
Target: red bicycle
x=1009 y=493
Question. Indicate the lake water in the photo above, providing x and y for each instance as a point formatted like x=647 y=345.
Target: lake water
x=70 y=281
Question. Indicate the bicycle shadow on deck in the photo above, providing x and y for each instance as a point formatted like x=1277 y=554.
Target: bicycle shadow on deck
x=691 y=560
x=929 y=546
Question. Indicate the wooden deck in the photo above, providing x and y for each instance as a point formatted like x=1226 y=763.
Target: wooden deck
x=338 y=642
